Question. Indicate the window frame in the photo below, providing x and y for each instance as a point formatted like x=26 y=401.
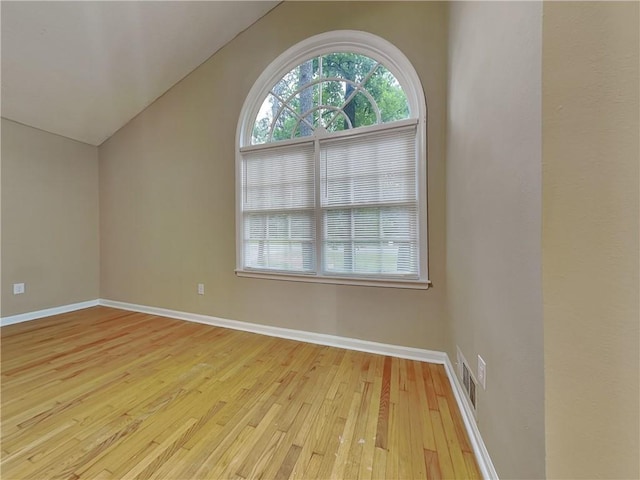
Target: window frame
x=396 y=62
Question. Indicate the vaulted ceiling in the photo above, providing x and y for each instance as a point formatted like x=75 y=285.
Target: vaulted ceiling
x=84 y=69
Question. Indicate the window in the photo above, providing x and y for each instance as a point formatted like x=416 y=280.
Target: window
x=331 y=166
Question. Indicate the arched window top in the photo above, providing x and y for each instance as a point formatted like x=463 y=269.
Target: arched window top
x=334 y=81
x=331 y=92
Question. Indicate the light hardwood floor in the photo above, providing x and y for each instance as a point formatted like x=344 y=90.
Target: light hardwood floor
x=103 y=393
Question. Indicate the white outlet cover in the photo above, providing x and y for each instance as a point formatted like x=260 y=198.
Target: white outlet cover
x=18 y=288
x=482 y=372
x=201 y=289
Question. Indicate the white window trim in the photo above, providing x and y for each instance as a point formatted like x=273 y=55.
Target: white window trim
x=399 y=65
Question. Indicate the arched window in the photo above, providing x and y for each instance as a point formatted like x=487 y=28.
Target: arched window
x=331 y=166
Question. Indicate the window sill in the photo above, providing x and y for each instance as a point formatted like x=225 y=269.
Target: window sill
x=365 y=282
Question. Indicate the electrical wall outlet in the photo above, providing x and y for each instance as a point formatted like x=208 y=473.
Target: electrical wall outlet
x=201 y=289
x=18 y=288
x=482 y=372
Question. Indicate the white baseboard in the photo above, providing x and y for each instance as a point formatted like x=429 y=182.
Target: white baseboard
x=47 y=312
x=300 y=335
x=487 y=468
x=482 y=455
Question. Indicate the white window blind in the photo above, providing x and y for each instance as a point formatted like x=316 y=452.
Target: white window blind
x=370 y=204
x=278 y=208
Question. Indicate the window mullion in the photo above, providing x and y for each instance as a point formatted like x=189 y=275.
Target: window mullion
x=380 y=243
x=267 y=239
x=350 y=251
x=319 y=233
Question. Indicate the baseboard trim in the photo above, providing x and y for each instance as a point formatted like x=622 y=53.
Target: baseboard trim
x=47 y=312
x=280 y=332
x=466 y=410
x=482 y=455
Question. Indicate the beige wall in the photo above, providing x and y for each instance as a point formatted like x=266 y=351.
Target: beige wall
x=590 y=239
x=49 y=220
x=167 y=188
x=167 y=215
x=493 y=222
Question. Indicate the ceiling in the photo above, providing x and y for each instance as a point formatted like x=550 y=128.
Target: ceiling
x=84 y=69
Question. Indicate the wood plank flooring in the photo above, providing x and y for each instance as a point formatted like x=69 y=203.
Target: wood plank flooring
x=103 y=393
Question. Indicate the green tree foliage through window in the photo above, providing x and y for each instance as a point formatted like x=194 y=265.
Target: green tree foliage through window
x=336 y=91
